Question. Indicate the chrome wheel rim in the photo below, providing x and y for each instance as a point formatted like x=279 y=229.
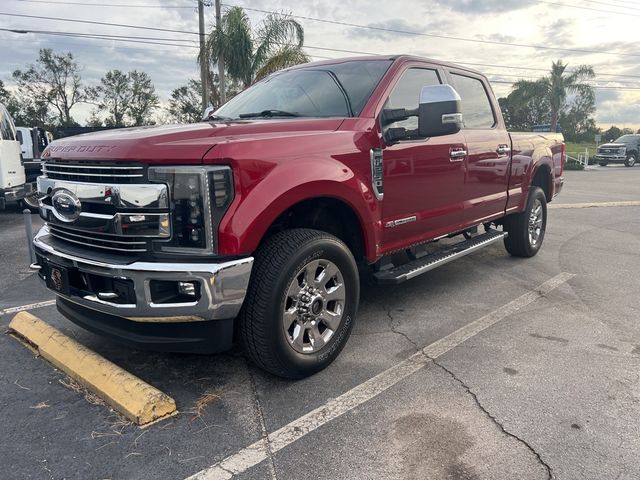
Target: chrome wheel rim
x=31 y=200
x=631 y=161
x=536 y=218
x=313 y=306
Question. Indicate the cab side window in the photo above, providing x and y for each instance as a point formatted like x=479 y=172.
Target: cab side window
x=406 y=93
x=476 y=106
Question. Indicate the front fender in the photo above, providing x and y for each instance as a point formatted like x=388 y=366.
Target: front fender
x=266 y=189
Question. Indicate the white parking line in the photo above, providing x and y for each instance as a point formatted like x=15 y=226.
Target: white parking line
x=631 y=203
x=30 y=306
x=254 y=454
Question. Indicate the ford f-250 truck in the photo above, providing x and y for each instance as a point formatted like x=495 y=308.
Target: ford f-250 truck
x=625 y=149
x=256 y=222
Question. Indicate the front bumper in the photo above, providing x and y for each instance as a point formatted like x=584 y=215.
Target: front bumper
x=222 y=288
x=611 y=158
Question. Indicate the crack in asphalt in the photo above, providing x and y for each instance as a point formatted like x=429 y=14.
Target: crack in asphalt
x=474 y=396
x=263 y=426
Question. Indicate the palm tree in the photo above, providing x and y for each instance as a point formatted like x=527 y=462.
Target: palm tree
x=560 y=84
x=530 y=99
x=249 y=56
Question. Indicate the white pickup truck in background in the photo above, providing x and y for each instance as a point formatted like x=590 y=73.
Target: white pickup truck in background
x=33 y=141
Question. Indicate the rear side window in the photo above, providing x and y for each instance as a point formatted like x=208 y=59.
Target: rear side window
x=406 y=94
x=476 y=106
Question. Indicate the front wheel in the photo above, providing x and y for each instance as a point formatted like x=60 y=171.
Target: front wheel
x=630 y=161
x=603 y=164
x=301 y=303
x=30 y=202
x=526 y=229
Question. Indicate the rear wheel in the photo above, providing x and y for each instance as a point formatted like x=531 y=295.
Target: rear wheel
x=526 y=229
x=630 y=161
x=301 y=303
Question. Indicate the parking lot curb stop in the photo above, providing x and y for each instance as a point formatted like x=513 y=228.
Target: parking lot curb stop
x=135 y=399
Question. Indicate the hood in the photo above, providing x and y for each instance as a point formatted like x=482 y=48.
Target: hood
x=178 y=143
x=613 y=145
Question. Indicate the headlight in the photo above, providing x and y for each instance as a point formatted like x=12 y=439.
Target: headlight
x=199 y=196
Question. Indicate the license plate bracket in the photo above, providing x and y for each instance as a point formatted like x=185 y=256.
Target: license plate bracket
x=58 y=278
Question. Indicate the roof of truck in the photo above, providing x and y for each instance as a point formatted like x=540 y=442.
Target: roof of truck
x=384 y=57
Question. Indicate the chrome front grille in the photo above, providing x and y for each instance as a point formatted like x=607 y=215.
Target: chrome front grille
x=111 y=243
x=93 y=172
x=115 y=208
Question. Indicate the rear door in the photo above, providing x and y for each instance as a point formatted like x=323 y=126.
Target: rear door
x=488 y=149
x=422 y=179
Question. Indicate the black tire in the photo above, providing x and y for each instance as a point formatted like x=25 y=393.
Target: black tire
x=518 y=242
x=603 y=164
x=631 y=160
x=278 y=263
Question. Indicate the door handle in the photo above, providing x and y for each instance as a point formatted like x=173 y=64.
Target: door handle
x=457 y=155
x=503 y=149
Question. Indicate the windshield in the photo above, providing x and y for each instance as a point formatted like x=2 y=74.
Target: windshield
x=338 y=90
x=627 y=139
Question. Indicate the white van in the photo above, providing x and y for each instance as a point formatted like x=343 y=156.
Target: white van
x=12 y=176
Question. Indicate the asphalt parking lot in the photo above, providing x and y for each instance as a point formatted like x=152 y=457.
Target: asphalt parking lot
x=533 y=379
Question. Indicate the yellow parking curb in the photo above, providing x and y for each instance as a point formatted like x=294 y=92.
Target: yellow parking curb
x=135 y=399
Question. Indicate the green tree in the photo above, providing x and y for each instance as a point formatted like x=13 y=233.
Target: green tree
x=545 y=100
x=5 y=95
x=527 y=105
x=184 y=104
x=53 y=81
x=114 y=95
x=577 y=119
x=250 y=55
x=143 y=100
x=560 y=83
x=611 y=134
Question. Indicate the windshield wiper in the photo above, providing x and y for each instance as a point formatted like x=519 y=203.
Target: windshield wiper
x=269 y=113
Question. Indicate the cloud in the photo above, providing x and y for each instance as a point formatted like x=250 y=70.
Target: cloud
x=484 y=6
x=398 y=25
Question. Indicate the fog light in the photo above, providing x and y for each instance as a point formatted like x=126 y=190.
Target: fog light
x=187 y=288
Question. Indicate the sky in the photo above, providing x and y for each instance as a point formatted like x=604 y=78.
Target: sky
x=601 y=33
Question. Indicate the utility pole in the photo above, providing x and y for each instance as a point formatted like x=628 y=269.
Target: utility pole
x=204 y=58
x=221 y=79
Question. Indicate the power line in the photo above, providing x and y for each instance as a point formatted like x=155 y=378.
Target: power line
x=135 y=39
x=447 y=37
x=98 y=37
x=118 y=5
x=589 y=8
x=612 y=4
x=360 y=52
x=97 y=23
x=108 y=36
x=507 y=82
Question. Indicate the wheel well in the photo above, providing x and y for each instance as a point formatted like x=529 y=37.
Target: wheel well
x=328 y=215
x=542 y=179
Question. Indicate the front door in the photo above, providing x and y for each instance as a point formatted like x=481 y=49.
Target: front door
x=422 y=178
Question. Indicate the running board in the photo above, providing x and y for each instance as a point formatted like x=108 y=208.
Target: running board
x=417 y=267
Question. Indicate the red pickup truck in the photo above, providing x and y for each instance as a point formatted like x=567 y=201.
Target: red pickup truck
x=258 y=223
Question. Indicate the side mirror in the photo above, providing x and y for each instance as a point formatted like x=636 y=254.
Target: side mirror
x=440 y=111
x=207 y=113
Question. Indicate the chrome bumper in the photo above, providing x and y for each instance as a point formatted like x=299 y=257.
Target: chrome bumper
x=222 y=285
x=610 y=157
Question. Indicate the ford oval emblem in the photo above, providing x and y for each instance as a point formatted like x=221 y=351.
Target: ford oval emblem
x=66 y=206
